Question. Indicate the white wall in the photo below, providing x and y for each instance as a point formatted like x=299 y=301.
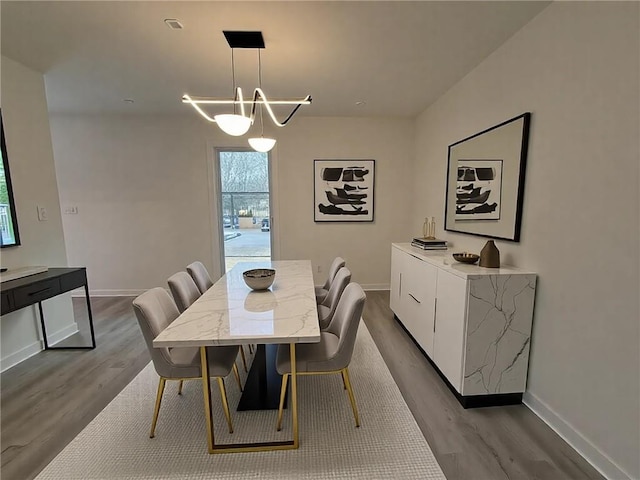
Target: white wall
x=141 y=187
x=575 y=67
x=365 y=246
x=26 y=126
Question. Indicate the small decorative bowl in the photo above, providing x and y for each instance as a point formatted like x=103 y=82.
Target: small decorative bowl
x=465 y=257
x=259 y=278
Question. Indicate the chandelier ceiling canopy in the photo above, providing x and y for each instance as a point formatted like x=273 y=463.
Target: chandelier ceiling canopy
x=238 y=124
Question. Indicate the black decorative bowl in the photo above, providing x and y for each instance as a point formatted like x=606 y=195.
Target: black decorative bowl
x=465 y=257
x=259 y=278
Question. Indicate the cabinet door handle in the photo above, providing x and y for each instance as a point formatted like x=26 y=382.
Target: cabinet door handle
x=39 y=291
x=435 y=313
x=414 y=298
x=400 y=286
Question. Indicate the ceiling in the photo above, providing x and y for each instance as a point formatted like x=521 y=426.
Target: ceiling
x=396 y=57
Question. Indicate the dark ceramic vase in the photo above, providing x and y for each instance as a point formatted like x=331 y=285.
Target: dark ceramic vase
x=490 y=255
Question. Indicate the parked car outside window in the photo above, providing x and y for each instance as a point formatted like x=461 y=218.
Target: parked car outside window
x=265 y=225
x=226 y=221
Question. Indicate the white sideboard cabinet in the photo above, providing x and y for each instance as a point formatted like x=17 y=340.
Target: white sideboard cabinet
x=473 y=323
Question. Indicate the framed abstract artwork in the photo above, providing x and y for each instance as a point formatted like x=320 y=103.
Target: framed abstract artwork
x=485 y=181
x=343 y=190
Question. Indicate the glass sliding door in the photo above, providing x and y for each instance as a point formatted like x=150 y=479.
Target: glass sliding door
x=245 y=205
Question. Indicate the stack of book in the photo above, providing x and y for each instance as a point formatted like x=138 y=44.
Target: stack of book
x=429 y=243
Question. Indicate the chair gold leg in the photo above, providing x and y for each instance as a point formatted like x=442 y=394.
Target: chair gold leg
x=180 y=387
x=294 y=395
x=237 y=375
x=344 y=384
x=157 y=409
x=225 y=405
x=244 y=359
x=283 y=393
x=250 y=348
x=345 y=376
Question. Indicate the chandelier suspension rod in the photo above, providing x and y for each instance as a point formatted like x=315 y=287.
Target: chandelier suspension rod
x=260 y=85
x=233 y=80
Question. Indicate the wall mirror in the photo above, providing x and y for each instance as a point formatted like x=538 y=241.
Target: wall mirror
x=9 y=236
x=485 y=181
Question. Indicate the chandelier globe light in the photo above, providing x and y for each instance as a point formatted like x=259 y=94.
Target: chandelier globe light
x=233 y=124
x=261 y=144
x=237 y=124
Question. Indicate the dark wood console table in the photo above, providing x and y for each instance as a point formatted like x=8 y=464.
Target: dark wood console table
x=26 y=291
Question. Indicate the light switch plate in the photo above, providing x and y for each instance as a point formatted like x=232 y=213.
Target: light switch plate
x=42 y=214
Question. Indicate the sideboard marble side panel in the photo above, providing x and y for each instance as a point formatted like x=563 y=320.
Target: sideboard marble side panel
x=498 y=333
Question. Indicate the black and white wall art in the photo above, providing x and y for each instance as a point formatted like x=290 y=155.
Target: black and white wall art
x=478 y=189
x=343 y=190
x=485 y=181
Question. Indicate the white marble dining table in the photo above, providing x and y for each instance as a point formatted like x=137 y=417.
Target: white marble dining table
x=230 y=313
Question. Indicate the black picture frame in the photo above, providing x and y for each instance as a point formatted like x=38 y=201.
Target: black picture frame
x=485 y=181
x=8 y=231
x=344 y=190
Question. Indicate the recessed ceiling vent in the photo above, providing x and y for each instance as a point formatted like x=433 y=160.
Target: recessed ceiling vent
x=173 y=24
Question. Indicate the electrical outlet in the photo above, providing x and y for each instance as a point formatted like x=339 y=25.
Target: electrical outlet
x=71 y=210
x=42 y=214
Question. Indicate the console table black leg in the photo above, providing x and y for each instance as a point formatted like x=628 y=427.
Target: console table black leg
x=90 y=315
x=93 y=336
x=44 y=329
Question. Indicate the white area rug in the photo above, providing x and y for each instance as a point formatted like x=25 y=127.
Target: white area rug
x=388 y=444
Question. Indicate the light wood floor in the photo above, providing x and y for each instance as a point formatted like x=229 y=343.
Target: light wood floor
x=48 y=399
x=492 y=443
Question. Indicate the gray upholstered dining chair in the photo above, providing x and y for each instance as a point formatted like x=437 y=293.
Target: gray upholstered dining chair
x=200 y=275
x=328 y=306
x=323 y=291
x=155 y=310
x=185 y=292
x=333 y=353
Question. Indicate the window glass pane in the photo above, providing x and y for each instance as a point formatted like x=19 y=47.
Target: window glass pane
x=244 y=172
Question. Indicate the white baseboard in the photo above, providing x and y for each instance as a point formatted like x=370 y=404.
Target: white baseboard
x=375 y=286
x=15 y=358
x=36 y=347
x=371 y=286
x=110 y=293
x=592 y=454
x=61 y=334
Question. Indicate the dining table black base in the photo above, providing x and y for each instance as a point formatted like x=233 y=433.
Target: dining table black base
x=262 y=388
